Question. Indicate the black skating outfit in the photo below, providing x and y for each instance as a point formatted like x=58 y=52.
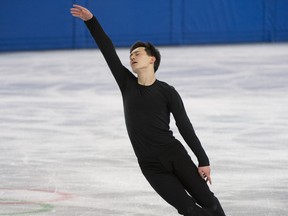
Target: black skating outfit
x=162 y=158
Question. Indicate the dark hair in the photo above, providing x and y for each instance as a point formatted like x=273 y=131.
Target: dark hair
x=150 y=50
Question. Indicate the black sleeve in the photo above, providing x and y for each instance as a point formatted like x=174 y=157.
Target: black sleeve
x=120 y=72
x=185 y=127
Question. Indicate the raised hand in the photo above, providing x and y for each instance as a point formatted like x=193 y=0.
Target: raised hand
x=81 y=12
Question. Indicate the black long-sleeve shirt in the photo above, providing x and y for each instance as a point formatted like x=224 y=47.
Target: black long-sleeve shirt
x=147 y=108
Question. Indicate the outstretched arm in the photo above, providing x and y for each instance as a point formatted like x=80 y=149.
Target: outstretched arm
x=105 y=45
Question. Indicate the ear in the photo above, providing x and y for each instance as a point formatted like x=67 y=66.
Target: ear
x=152 y=60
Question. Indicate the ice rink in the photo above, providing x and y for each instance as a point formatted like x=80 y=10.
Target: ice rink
x=65 y=150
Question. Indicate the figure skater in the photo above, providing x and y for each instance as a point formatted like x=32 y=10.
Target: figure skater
x=148 y=103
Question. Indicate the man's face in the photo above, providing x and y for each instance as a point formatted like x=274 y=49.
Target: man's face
x=139 y=59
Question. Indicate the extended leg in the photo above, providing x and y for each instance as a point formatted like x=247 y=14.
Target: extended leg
x=171 y=190
x=187 y=172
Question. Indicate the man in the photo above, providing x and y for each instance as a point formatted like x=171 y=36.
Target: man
x=148 y=103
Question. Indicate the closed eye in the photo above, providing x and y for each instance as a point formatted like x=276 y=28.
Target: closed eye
x=135 y=53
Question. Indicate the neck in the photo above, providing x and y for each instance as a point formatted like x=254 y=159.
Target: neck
x=147 y=78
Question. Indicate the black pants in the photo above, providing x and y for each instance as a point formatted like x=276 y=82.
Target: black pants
x=175 y=178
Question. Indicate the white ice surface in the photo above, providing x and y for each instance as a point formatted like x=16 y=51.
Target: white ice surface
x=65 y=151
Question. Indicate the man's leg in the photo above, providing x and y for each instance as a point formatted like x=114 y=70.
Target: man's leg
x=171 y=190
x=187 y=172
x=216 y=209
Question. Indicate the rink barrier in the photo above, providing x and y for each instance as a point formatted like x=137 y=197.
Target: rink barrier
x=48 y=24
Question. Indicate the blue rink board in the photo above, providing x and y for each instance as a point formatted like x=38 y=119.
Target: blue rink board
x=47 y=24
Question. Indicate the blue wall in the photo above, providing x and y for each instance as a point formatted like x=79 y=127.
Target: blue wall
x=47 y=24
